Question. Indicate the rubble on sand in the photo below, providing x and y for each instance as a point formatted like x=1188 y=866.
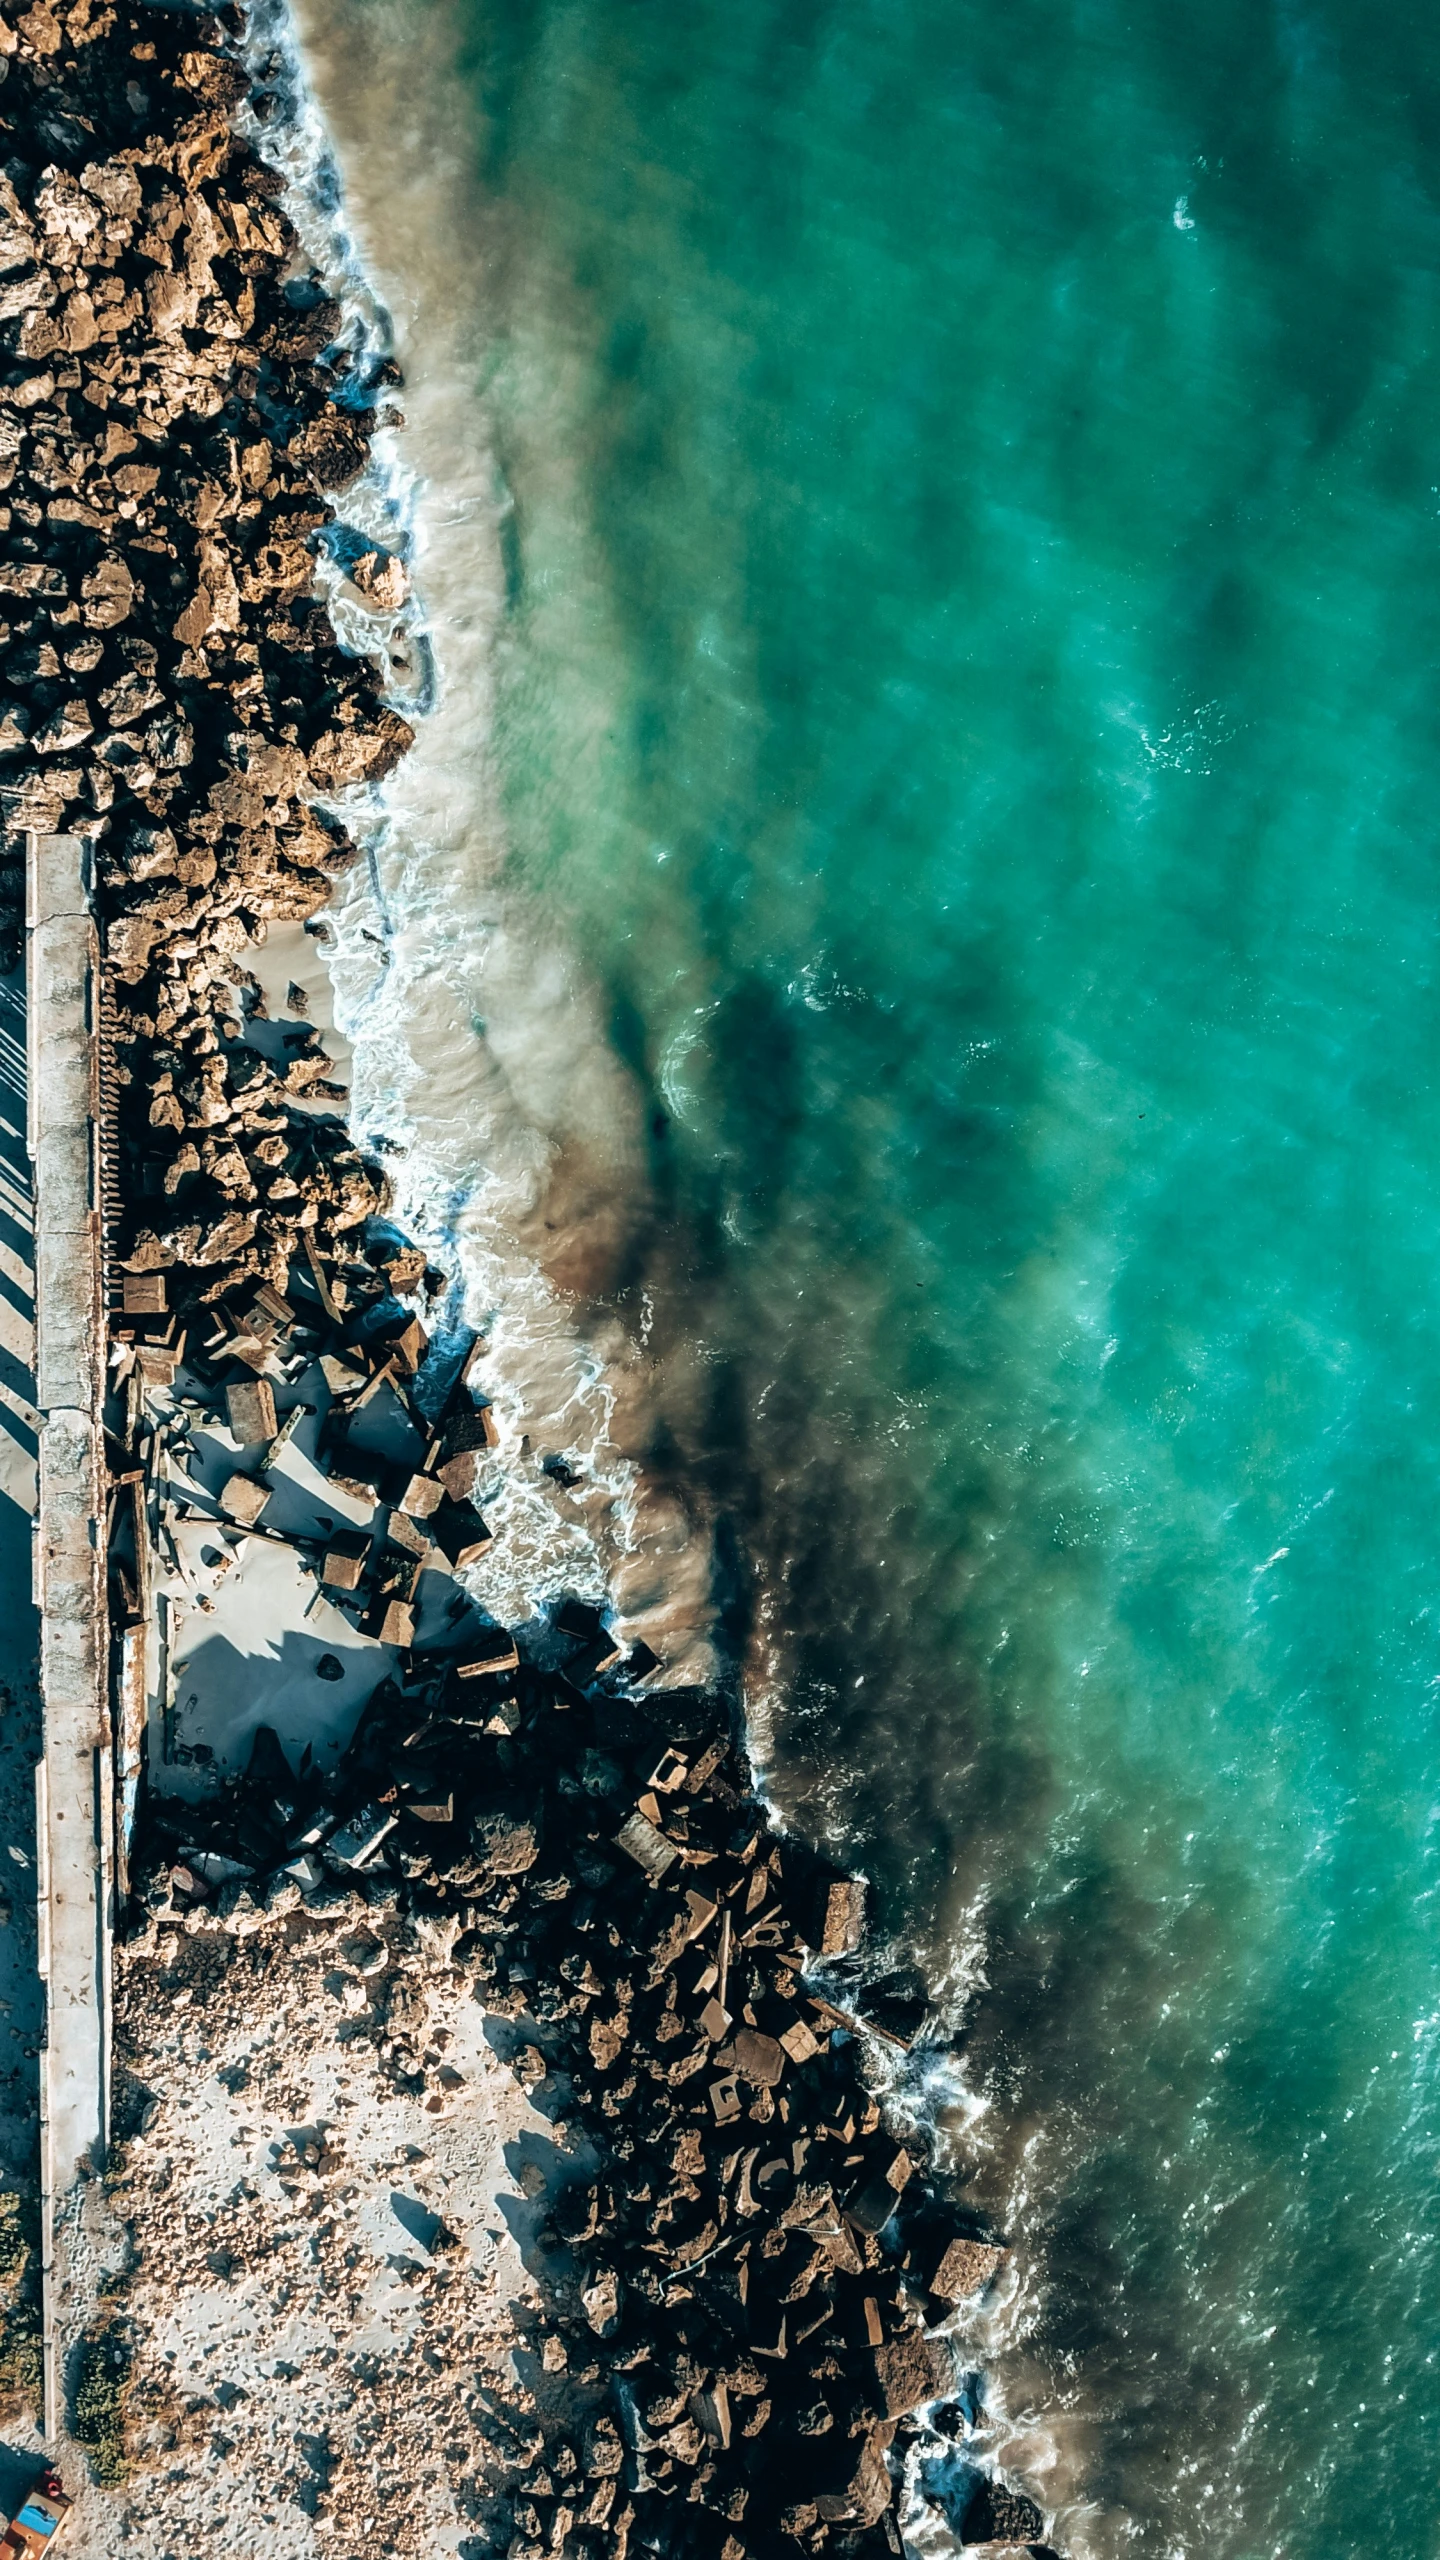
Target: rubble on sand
x=320 y=2292
x=748 y=2283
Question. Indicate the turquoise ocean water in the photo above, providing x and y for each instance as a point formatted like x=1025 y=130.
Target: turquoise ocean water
x=965 y=688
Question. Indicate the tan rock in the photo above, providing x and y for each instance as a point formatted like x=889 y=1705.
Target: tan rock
x=863 y=2489
x=220 y=82
x=508 y=1844
x=170 y=302
x=907 y=2371
x=600 y=2300
x=965 y=2269
x=496 y=1651
x=69 y=218
x=80 y=326
x=31 y=577
x=227 y=1239
x=40 y=336
x=799 y=2043
x=312 y=847
x=41 y=28
x=243 y=1498
x=230 y=1170
x=68 y=727
x=129 y=941
x=18 y=243
x=835 y=1923
x=107 y=594
x=32 y=292
x=396 y=1624
x=128 y=700
x=607 y=2038
x=200 y=150
x=648 y=1846
x=380 y=577
x=345 y=1560
x=149 y=1253
x=343 y=757
x=279 y=770
x=278 y=568
x=28 y=394
x=114 y=184
x=215 y=605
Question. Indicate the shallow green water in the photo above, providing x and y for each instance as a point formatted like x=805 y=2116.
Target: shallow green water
x=968 y=687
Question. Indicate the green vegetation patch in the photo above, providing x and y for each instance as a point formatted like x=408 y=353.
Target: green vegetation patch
x=20 y=2329
x=99 y=2396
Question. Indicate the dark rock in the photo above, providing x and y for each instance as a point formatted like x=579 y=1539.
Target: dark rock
x=1000 y=2514
x=579 y=1619
x=897 y=2006
x=459 y=1532
x=759 y=2059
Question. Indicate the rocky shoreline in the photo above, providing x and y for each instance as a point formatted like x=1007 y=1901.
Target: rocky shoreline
x=744 y=2280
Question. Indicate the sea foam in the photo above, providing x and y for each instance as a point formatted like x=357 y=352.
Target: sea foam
x=482 y=1075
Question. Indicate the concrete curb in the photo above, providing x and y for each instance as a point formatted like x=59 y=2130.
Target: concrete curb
x=74 y=1782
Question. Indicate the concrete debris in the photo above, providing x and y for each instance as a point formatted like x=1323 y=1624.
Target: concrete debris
x=358 y=1840
x=647 y=1845
x=737 y=2261
x=965 y=2269
x=244 y=1498
x=345 y=1558
x=250 y=1406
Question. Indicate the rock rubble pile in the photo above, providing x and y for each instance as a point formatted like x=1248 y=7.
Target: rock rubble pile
x=748 y=2286
x=754 y=2267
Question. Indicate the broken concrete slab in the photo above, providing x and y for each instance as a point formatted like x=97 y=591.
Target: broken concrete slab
x=648 y=1847
x=244 y=1498
x=346 y=1556
x=965 y=2268
x=250 y=1406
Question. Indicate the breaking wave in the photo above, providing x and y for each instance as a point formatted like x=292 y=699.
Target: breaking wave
x=482 y=1074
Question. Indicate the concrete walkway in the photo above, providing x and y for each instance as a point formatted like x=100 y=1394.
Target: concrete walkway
x=75 y=1793
x=21 y=1743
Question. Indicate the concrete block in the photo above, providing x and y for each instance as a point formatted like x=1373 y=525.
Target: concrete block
x=345 y=1560
x=493 y=1651
x=244 y=1498
x=251 y=1410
